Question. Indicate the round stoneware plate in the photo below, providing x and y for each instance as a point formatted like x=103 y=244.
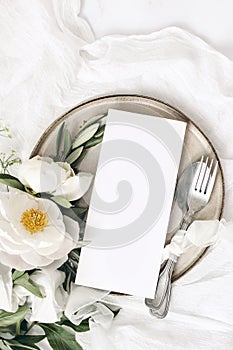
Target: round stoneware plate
x=196 y=144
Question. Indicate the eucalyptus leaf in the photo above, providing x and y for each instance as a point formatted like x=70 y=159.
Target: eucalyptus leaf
x=74 y=155
x=61 y=201
x=59 y=338
x=93 y=120
x=59 y=138
x=67 y=143
x=11 y=181
x=93 y=142
x=25 y=282
x=9 y=318
x=85 y=135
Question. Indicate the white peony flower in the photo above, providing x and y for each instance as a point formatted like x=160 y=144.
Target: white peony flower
x=42 y=174
x=33 y=232
x=48 y=309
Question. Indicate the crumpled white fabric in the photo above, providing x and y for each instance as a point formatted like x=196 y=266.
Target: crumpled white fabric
x=200 y=234
x=46 y=69
x=84 y=302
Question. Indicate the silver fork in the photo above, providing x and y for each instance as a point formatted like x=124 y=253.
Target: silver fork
x=198 y=197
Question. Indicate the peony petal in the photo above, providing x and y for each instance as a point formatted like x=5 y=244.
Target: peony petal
x=67 y=245
x=56 y=264
x=72 y=227
x=41 y=174
x=15 y=261
x=48 y=309
x=38 y=260
x=75 y=187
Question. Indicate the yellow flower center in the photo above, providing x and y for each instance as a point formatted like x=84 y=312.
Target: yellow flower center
x=34 y=220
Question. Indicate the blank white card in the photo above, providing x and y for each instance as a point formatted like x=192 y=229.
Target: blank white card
x=131 y=203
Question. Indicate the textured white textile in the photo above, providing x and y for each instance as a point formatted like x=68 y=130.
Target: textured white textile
x=46 y=68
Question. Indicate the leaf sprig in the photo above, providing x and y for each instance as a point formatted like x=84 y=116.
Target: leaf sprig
x=90 y=134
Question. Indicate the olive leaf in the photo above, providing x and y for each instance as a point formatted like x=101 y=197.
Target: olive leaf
x=59 y=138
x=100 y=132
x=11 y=181
x=25 y=282
x=93 y=120
x=74 y=155
x=93 y=142
x=9 y=318
x=85 y=135
x=61 y=201
x=67 y=143
x=59 y=338
x=80 y=158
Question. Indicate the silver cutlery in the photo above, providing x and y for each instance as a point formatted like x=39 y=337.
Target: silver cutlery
x=198 y=197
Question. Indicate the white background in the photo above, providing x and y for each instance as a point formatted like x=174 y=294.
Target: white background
x=209 y=19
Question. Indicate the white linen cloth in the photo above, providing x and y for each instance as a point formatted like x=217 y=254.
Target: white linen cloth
x=46 y=68
x=201 y=234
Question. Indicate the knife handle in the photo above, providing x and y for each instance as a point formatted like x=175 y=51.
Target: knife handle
x=163 y=286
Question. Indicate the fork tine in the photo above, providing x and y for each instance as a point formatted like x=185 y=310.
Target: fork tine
x=201 y=175
x=197 y=173
x=207 y=176
x=211 y=182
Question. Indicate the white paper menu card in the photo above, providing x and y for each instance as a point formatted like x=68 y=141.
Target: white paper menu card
x=131 y=203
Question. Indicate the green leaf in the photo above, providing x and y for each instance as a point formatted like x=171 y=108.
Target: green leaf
x=9 y=318
x=83 y=327
x=26 y=342
x=11 y=181
x=3 y=345
x=25 y=282
x=15 y=345
x=29 y=340
x=100 y=132
x=93 y=120
x=102 y=121
x=59 y=338
x=85 y=135
x=59 y=138
x=61 y=201
x=67 y=143
x=80 y=212
x=17 y=274
x=93 y=142
x=72 y=157
x=83 y=155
